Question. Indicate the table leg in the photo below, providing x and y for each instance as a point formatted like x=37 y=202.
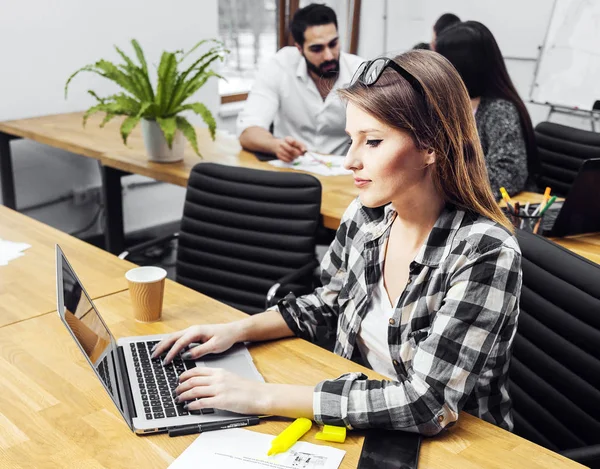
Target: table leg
x=7 y=178
x=114 y=234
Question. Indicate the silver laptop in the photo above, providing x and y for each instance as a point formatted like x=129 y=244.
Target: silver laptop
x=141 y=388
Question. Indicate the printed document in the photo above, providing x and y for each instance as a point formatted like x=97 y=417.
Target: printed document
x=9 y=250
x=244 y=449
x=317 y=163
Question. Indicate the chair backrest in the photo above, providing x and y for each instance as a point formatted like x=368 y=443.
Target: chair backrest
x=243 y=229
x=561 y=151
x=555 y=368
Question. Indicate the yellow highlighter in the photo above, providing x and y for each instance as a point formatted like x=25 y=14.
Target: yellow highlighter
x=332 y=433
x=286 y=439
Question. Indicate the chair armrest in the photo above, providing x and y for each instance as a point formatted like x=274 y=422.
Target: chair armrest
x=148 y=244
x=289 y=278
x=584 y=455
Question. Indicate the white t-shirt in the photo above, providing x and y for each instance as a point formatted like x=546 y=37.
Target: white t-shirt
x=285 y=95
x=372 y=339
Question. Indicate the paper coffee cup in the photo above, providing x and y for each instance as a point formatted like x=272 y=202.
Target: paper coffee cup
x=146 y=288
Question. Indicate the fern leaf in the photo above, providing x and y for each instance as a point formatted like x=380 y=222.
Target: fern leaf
x=107 y=118
x=124 y=56
x=167 y=74
x=188 y=132
x=93 y=110
x=150 y=110
x=87 y=68
x=98 y=98
x=216 y=52
x=203 y=41
x=130 y=105
x=112 y=72
x=169 y=127
x=138 y=75
x=140 y=56
x=127 y=126
x=180 y=85
x=144 y=109
x=202 y=111
x=181 y=92
x=198 y=82
x=132 y=70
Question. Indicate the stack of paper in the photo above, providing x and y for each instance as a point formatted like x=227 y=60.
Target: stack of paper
x=244 y=449
x=325 y=165
x=10 y=250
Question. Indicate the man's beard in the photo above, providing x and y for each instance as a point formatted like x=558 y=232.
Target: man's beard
x=320 y=70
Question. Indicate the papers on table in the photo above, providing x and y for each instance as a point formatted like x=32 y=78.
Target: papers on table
x=9 y=250
x=325 y=165
x=244 y=449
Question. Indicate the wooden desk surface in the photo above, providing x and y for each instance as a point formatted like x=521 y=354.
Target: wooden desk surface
x=54 y=412
x=65 y=131
x=28 y=284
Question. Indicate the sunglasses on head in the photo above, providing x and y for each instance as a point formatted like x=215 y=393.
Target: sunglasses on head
x=370 y=71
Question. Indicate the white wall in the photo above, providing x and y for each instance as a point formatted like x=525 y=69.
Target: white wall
x=43 y=42
x=390 y=27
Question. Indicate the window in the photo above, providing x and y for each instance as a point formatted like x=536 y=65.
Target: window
x=249 y=30
x=253 y=30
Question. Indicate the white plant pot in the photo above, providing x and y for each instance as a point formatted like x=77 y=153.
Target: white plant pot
x=156 y=143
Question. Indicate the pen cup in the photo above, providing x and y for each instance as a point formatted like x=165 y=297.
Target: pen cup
x=532 y=224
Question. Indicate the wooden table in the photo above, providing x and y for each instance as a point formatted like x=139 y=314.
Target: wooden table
x=65 y=131
x=28 y=283
x=55 y=413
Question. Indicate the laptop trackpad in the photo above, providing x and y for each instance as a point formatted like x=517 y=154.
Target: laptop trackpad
x=236 y=360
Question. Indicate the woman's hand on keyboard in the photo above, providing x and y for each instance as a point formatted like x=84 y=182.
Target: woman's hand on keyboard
x=214 y=388
x=213 y=338
x=220 y=389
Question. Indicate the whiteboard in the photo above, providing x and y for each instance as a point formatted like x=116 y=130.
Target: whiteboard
x=568 y=72
x=519 y=26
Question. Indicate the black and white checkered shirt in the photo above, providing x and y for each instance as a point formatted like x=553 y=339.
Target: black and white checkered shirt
x=451 y=333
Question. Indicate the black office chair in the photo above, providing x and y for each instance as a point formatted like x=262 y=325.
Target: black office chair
x=247 y=236
x=561 y=151
x=555 y=368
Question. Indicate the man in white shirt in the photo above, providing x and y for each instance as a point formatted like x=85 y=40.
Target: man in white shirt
x=295 y=91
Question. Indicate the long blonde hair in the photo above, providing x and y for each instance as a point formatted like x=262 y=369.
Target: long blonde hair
x=442 y=120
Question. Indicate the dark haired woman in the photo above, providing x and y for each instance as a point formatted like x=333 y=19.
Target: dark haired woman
x=422 y=280
x=441 y=24
x=502 y=119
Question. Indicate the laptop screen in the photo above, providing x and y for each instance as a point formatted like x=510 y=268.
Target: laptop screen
x=88 y=329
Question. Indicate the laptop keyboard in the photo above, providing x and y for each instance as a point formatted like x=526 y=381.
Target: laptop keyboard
x=157 y=382
x=103 y=372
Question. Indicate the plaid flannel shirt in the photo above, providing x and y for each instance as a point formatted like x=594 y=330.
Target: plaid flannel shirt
x=451 y=333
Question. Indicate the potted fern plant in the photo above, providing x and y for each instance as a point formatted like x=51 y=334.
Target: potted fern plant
x=159 y=109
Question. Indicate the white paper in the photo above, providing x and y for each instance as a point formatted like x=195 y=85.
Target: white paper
x=325 y=165
x=9 y=250
x=237 y=448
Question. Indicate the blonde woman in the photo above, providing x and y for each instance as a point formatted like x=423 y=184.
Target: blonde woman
x=422 y=280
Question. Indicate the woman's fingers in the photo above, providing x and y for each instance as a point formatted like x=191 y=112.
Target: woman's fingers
x=191 y=383
x=166 y=343
x=204 y=403
x=178 y=346
x=198 y=371
x=199 y=350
